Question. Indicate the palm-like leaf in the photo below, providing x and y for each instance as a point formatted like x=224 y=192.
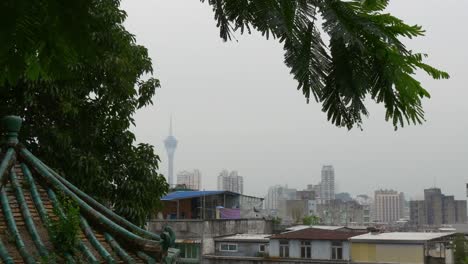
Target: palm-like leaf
x=364 y=57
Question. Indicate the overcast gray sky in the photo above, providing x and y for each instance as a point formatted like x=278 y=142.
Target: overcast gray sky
x=236 y=107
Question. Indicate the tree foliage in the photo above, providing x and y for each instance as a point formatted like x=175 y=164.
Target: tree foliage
x=460 y=249
x=64 y=231
x=75 y=75
x=364 y=57
x=311 y=220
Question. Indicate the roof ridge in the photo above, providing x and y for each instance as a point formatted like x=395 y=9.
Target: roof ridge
x=92 y=213
x=111 y=226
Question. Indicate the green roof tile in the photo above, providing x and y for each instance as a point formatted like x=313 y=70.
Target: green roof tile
x=28 y=189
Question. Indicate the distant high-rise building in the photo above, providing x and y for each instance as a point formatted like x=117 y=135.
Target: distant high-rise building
x=437 y=209
x=344 y=196
x=171 y=144
x=368 y=207
x=276 y=194
x=189 y=179
x=434 y=203
x=389 y=205
x=230 y=182
x=339 y=212
x=418 y=213
x=316 y=189
x=327 y=185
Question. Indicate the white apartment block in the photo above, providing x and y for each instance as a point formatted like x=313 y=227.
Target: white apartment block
x=230 y=182
x=189 y=179
x=276 y=194
x=327 y=185
x=389 y=206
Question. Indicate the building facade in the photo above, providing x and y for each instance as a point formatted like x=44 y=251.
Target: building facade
x=389 y=206
x=329 y=246
x=242 y=245
x=461 y=212
x=327 y=184
x=196 y=238
x=210 y=205
x=368 y=207
x=293 y=211
x=437 y=209
x=338 y=212
x=275 y=195
x=189 y=179
x=230 y=181
x=402 y=248
x=418 y=213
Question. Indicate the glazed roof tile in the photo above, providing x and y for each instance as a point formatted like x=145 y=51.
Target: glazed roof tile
x=28 y=196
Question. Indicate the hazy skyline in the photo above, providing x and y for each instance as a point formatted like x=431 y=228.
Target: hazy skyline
x=235 y=107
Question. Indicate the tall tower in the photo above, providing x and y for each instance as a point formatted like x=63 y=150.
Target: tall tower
x=171 y=144
x=327 y=185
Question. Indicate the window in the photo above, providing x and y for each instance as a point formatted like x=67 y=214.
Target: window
x=306 y=249
x=337 y=250
x=188 y=251
x=228 y=247
x=284 y=249
x=262 y=248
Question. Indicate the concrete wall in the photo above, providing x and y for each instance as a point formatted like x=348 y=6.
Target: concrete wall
x=347 y=250
x=196 y=229
x=460 y=207
x=292 y=211
x=251 y=260
x=294 y=249
x=321 y=250
x=170 y=209
x=273 y=248
x=244 y=249
x=387 y=253
x=209 y=229
x=400 y=253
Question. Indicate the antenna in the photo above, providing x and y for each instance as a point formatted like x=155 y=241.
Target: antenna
x=170 y=126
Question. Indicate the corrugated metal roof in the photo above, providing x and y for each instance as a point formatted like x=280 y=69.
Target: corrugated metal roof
x=300 y=227
x=415 y=237
x=245 y=237
x=179 y=195
x=316 y=234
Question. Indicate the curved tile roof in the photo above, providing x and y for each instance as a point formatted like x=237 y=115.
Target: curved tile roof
x=28 y=198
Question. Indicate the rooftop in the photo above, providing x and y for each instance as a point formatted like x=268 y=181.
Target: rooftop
x=324 y=227
x=32 y=196
x=459 y=228
x=316 y=234
x=180 y=195
x=408 y=237
x=245 y=237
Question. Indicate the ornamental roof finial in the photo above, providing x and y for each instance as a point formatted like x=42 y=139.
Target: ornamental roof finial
x=11 y=125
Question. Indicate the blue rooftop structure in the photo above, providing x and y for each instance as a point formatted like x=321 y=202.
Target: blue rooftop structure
x=208 y=204
x=179 y=195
